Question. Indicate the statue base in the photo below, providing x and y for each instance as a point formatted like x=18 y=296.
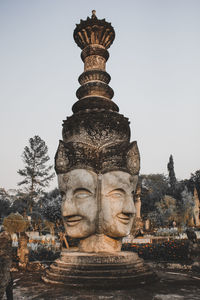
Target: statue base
x=119 y=270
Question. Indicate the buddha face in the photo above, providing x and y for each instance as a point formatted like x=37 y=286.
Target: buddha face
x=94 y=203
x=79 y=202
x=118 y=208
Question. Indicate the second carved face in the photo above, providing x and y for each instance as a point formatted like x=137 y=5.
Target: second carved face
x=93 y=203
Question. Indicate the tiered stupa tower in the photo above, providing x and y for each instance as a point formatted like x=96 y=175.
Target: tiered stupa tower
x=97 y=168
x=96 y=120
x=94 y=37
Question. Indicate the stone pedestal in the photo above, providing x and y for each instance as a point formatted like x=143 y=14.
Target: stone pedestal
x=119 y=270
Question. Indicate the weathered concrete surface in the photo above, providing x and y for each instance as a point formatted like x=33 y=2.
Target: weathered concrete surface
x=172 y=286
x=101 y=204
x=117 y=270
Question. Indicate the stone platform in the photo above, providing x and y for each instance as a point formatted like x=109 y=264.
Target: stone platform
x=119 y=270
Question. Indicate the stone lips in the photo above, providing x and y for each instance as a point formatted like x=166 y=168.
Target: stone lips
x=102 y=271
x=94 y=31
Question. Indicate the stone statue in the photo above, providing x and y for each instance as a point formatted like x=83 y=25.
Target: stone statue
x=97 y=167
x=196 y=209
x=193 y=249
x=95 y=205
x=22 y=251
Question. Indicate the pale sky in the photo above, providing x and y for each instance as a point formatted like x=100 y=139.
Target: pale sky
x=154 y=65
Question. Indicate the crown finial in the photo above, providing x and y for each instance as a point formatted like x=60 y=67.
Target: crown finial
x=94 y=31
x=94 y=37
x=94 y=14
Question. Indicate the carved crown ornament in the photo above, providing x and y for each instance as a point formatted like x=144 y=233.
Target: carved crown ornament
x=94 y=31
x=121 y=156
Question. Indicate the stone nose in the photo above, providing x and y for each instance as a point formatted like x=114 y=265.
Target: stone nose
x=68 y=206
x=129 y=206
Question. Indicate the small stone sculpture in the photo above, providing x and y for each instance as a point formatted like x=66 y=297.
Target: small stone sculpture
x=22 y=251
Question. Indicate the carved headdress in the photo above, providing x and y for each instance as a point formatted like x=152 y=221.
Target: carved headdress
x=96 y=136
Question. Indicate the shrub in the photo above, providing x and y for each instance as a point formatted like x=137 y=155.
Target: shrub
x=169 y=251
x=43 y=255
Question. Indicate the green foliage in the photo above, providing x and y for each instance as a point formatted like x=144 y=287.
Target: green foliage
x=162 y=209
x=172 y=177
x=51 y=206
x=4 y=203
x=185 y=207
x=170 y=209
x=166 y=211
x=4 y=207
x=154 y=187
x=36 y=174
x=194 y=181
x=42 y=254
x=172 y=251
x=15 y=223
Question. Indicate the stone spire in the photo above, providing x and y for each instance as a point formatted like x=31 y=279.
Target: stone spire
x=96 y=136
x=94 y=37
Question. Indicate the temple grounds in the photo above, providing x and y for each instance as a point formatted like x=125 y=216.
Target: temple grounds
x=168 y=257
x=101 y=200
x=172 y=284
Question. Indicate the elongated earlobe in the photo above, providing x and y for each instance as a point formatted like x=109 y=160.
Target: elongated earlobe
x=61 y=160
x=133 y=159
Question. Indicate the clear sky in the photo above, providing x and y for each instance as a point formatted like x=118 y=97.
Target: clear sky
x=154 y=64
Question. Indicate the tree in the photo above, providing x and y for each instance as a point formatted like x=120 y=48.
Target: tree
x=172 y=176
x=166 y=211
x=4 y=204
x=22 y=204
x=51 y=207
x=185 y=207
x=37 y=175
x=154 y=187
x=195 y=181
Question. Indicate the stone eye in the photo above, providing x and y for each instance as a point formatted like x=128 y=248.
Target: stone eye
x=82 y=193
x=118 y=193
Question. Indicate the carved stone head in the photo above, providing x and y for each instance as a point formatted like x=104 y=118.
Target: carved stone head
x=96 y=199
